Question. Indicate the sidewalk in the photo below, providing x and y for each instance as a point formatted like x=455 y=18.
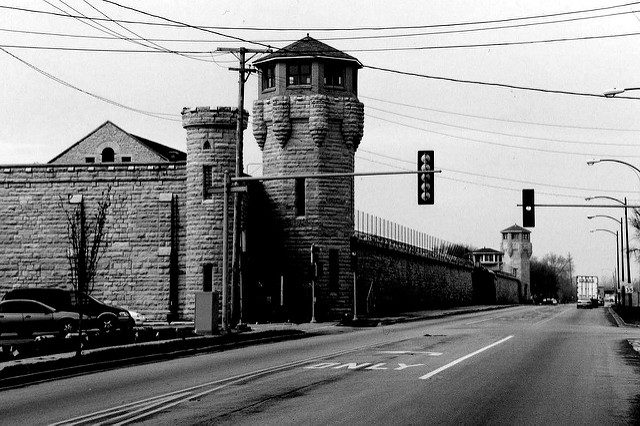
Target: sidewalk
x=28 y=370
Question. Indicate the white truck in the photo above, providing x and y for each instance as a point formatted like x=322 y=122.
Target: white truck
x=587 y=291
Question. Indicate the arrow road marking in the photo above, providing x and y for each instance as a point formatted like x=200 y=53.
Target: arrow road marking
x=459 y=360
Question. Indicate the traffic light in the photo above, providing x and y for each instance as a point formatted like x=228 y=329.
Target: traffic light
x=528 y=209
x=425 y=180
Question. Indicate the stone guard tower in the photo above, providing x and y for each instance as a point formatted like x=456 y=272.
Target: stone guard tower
x=516 y=246
x=308 y=120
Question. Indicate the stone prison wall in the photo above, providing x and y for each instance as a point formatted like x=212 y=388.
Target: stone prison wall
x=142 y=266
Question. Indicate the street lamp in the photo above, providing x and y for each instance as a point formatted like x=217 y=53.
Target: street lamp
x=614 y=92
x=626 y=225
x=617 y=259
x=619 y=221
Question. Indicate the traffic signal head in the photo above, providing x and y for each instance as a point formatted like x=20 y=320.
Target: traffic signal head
x=425 y=180
x=528 y=209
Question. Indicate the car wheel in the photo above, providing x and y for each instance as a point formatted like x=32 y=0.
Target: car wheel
x=108 y=324
x=67 y=327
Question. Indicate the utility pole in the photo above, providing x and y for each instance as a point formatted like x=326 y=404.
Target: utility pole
x=243 y=75
x=626 y=222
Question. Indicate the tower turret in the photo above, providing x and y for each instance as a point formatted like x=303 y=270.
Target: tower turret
x=516 y=246
x=308 y=120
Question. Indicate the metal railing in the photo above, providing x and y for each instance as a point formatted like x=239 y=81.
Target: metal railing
x=373 y=228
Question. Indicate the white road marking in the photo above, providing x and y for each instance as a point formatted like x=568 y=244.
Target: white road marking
x=550 y=318
x=459 y=360
x=479 y=321
x=411 y=352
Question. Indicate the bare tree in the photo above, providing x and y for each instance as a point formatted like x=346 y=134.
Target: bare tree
x=86 y=245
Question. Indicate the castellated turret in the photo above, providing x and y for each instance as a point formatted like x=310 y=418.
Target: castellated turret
x=211 y=147
x=308 y=120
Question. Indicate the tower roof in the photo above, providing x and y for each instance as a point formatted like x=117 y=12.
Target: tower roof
x=307 y=47
x=516 y=228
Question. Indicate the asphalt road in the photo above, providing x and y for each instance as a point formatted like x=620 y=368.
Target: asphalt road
x=523 y=365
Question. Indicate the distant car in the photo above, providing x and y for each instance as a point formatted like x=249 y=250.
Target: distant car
x=549 y=301
x=28 y=316
x=96 y=314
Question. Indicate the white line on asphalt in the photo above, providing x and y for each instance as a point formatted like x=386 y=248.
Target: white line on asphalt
x=459 y=360
x=411 y=352
x=482 y=320
x=550 y=318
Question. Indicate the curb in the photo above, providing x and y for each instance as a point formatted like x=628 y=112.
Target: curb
x=619 y=321
x=442 y=315
x=30 y=371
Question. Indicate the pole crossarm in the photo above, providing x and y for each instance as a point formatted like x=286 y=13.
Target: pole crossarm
x=328 y=175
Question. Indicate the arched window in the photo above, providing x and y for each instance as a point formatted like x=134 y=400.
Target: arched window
x=107 y=155
x=206 y=146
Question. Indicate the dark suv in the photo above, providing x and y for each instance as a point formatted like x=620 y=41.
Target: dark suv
x=97 y=314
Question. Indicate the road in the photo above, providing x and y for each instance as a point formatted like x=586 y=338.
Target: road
x=522 y=365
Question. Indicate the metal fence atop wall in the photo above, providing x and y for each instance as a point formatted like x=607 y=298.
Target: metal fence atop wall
x=374 y=228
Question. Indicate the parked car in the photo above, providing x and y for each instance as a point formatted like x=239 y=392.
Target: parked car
x=28 y=316
x=96 y=314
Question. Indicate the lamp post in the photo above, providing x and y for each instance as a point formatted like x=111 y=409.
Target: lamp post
x=626 y=225
x=617 y=259
x=621 y=236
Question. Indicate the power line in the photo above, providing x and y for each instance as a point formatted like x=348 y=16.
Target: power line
x=340 y=38
x=464 y=138
x=329 y=29
x=455 y=126
x=152 y=43
x=493 y=84
x=486 y=185
x=187 y=25
x=504 y=120
x=496 y=44
x=162 y=116
x=526 y=182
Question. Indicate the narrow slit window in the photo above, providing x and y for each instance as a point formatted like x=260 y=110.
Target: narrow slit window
x=300 y=194
x=207 y=182
x=334 y=269
x=207 y=277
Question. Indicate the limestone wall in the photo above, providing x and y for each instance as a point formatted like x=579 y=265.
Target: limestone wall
x=144 y=259
x=391 y=278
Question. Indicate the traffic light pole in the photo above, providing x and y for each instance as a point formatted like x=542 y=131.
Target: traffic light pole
x=229 y=187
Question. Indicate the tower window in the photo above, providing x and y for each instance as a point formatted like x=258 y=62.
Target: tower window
x=334 y=75
x=89 y=160
x=269 y=77
x=107 y=155
x=207 y=277
x=300 y=197
x=298 y=73
x=126 y=159
x=207 y=182
x=206 y=146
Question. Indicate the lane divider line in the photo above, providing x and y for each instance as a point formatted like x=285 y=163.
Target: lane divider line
x=479 y=321
x=459 y=360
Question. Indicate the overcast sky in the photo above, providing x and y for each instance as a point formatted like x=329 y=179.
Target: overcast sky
x=490 y=141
